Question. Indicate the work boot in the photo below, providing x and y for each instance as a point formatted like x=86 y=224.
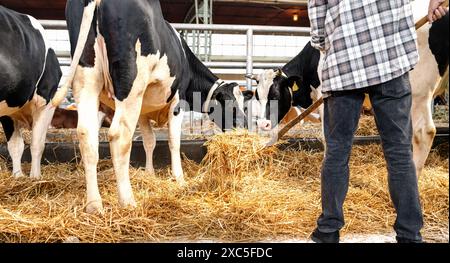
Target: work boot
x=402 y=240
x=323 y=238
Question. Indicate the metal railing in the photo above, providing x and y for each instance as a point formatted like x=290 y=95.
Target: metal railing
x=250 y=31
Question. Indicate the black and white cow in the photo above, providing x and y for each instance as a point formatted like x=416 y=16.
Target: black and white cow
x=277 y=85
x=127 y=56
x=277 y=94
x=29 y=77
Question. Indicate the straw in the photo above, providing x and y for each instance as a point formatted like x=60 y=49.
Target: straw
x=241 y=192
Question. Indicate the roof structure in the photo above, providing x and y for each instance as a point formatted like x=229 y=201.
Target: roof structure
x=244 y=12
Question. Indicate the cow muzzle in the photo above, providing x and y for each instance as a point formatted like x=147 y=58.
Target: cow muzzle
x=264 y=125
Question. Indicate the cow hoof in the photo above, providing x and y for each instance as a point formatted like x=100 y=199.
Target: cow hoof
x=150 y=171
x=181 y=182
x=73 y=240
x=130 y=203
x=95 y=208
x=18 y=175
x=35 y=176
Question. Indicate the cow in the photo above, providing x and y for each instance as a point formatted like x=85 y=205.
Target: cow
x=64 y=119
x=68 y=118
x=29 y=77
x=290 y=88
x=425 y=78
x=125 y=55
x=275 y=92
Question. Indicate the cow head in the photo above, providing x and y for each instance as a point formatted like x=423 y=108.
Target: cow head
x=274 y=96
x=227 y=107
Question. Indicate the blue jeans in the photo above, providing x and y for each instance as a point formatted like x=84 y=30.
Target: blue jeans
x=391 y=102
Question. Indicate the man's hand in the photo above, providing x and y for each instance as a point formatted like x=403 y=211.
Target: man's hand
x=435 y=11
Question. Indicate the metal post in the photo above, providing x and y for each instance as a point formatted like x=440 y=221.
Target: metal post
x=196 y=43
x=211 y=16
x=192 y=121
x=211 y=12
x=196 y=12
x=249 y=57
x=205 y=33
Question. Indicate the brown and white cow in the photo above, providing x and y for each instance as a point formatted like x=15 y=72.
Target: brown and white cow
x=68 y=118
x=433 y=49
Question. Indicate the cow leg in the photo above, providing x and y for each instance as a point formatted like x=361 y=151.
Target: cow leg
x=87 y=130
x=120 y=136
x=41 y=122
x=149 y=138
x=424 y=130
x=101 y=118
x=175 y=126
x=16 y=145
x=87 y=87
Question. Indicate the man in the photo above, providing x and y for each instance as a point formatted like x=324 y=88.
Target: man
x=368 y=47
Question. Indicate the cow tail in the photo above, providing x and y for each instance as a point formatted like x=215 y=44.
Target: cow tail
x=88 y=16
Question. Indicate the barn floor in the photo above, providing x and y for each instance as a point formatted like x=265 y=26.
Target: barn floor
x=349 y=238
x=259 y=207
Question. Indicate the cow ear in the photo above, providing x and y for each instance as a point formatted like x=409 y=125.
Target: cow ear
x=218 y=96
x=278 y=72
x=248 y=94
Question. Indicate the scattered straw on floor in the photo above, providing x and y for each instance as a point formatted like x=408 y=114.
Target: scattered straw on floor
x=440 y=113
x=56 y=135
x=241 y=192
x=367 y=127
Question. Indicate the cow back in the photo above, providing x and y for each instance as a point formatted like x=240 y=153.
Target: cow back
x=122 y=24
x=22 y=53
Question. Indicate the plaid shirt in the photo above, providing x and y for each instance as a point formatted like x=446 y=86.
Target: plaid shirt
x=365 y=42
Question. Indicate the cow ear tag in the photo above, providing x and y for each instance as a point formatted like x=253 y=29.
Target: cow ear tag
x=295 y=88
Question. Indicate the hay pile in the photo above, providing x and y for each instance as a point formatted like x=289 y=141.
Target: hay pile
x=240 y=192
x=229 y=160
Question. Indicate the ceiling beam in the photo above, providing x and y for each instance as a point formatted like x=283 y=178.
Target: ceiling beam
x=272 y=2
